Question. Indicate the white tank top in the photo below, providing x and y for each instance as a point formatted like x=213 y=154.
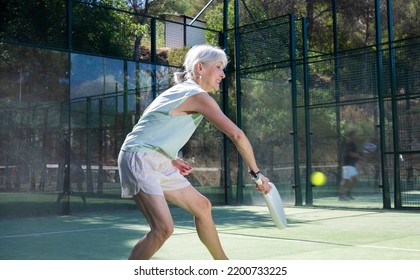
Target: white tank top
x=157 y=130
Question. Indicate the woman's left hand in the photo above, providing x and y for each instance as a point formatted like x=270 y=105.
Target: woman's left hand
x=183 y=166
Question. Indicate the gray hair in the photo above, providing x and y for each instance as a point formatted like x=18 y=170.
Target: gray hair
x=205 y=54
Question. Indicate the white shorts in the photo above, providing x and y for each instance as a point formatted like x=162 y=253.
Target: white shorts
x=349 y=172
x=150 y=172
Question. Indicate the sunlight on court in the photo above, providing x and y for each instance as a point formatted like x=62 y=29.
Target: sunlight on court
x=246 y=232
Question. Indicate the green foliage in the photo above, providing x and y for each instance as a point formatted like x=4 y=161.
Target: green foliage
x=407 y=19
x=183 y=7
x=214 y=18
x=176 y=56
x=45 y=27
x=104 y=31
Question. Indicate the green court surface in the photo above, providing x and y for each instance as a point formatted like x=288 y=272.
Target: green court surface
x=246 y=232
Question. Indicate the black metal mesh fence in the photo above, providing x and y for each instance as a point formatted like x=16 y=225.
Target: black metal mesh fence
x=362 y=86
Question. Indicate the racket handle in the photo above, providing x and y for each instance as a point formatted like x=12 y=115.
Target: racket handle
x=258 y=181
x=256 y=178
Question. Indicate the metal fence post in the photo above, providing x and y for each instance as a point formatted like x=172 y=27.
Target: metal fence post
x=296 y=168
x=384 y=184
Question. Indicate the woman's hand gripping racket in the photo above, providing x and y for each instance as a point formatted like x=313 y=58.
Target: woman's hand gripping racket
x=273 y=200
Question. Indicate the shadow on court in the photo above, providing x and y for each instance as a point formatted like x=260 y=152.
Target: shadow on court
x=246 y=232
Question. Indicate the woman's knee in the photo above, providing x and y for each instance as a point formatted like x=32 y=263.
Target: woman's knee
x=163 y=231
x=204 y=206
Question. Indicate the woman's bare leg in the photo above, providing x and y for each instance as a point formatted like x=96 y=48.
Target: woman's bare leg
x=156 y=211
x=199 y=206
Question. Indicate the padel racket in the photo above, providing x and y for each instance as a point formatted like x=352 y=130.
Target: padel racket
x=274 y=202
x=275 y=207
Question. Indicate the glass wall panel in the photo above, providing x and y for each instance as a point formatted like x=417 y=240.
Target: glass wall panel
x=34 y=122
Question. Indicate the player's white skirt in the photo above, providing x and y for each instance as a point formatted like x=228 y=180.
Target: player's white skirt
x=150 y=172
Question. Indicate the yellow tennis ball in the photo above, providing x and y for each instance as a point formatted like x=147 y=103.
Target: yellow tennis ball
x=318 y=178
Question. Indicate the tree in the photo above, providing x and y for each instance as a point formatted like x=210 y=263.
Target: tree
x=144 y=9
x=103 y=29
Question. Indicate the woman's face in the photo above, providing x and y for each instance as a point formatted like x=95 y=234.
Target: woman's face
x=211 y=76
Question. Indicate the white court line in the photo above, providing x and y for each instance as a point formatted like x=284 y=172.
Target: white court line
x=133 y=227
x=388 y=248
x=53 y=232
x=310 y=241
x=220 y=233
